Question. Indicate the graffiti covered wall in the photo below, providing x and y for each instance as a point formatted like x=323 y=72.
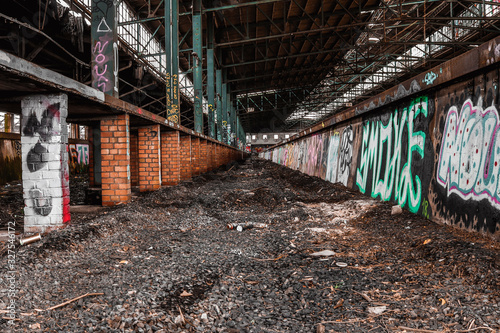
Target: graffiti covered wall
x=78 y=158
x=436 y=153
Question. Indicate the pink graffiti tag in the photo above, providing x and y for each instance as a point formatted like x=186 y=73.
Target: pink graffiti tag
x=100 y=69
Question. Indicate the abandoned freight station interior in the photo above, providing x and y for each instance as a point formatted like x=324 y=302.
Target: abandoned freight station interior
x=250 y=166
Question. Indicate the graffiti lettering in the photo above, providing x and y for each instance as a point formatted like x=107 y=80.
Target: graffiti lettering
x=430 y=78
x=101 y=66
x=470 y=153
x=333 y=156
x=386 y=142
x=345 y=155
x=425 y=207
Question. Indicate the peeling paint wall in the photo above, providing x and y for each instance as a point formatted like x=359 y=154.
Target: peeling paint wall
x=436 y=153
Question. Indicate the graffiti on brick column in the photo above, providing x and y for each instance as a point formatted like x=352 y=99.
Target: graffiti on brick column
x=469 y=158
x=38 y=156
x=384 y=149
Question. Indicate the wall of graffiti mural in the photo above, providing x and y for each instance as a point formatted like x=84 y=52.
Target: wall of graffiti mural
x=78 y=158
x=435 y=153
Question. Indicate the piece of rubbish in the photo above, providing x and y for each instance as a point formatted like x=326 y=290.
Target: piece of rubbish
x=376 y=310
x=186 y=294
x=339 y=303
x=396 y=210
x=341 y=264
x=30 y=240
x=245 y=226
x=324 y=253
x=427 y=241
x=70 y=301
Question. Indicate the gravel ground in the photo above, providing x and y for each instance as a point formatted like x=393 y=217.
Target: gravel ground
x=167 y=262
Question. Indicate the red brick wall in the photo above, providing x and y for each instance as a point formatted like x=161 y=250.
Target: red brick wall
x=185 y=156
x=149 y=158
x=210 y=152
x=203 y=156
x=115 y=160
x=170 y=158
x=195 y=156
x=216 y=155
x=134 y=160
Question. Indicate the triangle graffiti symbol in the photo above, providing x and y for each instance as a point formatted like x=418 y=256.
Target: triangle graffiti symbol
x=103 y=26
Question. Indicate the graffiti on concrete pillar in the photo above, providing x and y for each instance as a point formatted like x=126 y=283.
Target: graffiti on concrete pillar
x=469 y=158
x=382 y=156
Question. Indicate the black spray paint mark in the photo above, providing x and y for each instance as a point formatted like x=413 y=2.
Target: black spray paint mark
x=41 y=204
x=45 y=128
x=35 y=158
x=32 y=124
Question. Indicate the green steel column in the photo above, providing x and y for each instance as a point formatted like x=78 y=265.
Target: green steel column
x=238 y=133
x=224 y=112
x=232 y=126
x=218 y=85
x=210 y=76
x=174 y=111
x=227 y=113
x=197 y=66
x=168 y=51
x=104 y=47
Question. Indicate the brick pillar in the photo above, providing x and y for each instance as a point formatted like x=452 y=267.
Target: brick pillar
x=44 y=147
x=195 y=156
x=91 y=158
x=149 y=158
x=134 y=159
x=203 y=156
x=170 y=158
x=115 y=164
x=185 y=156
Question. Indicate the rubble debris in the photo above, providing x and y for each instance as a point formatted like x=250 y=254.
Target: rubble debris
x=176 y=240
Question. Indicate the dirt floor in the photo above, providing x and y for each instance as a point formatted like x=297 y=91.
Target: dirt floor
x=312 y=257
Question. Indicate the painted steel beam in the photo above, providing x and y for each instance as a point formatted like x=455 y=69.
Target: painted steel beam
x=236 y=5
x=104 y=49
x=218 y=85
x=175 y=109
x=224 y=111
x=197 y=66
x=210 y=75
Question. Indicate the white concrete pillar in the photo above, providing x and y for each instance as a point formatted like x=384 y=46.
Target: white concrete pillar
x=44 y=142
